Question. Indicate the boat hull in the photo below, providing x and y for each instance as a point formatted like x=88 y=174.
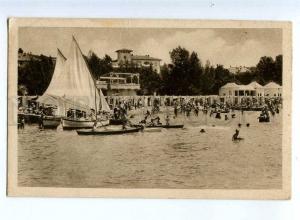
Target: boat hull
x=107 y=132
x=51 y=122
x=71 y=124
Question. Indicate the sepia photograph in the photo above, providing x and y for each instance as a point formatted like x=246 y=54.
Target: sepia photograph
x=149 y=108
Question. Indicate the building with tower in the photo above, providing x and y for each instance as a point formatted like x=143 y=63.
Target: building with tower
x=126 y=58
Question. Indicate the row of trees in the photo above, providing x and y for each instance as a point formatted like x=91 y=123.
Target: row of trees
x=185 y=75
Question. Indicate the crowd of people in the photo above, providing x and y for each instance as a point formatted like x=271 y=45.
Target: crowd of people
x=181 y=106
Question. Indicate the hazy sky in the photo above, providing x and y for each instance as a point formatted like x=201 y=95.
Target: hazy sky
x=233 y=47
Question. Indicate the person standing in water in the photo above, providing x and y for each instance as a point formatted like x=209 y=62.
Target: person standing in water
x=236 y=134
x=167 y=120
x=175 y=110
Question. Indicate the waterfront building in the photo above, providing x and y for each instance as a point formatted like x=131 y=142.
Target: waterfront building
x=273 y=89
x=252 y=89
x=238 y=69
x=24 y=58
x=119 y=84
x=125 y=57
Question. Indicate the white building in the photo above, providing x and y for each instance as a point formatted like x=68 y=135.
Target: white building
x=238 y=69
x=259 y=89
x=252 y=89
x=125 y=57
x=233 y=89
x=273 y=89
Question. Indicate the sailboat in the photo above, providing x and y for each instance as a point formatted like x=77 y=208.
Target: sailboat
x=82 y=88
x=73 y=90
x=50 y=97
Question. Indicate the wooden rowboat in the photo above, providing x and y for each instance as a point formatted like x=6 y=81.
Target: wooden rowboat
x=107 y=131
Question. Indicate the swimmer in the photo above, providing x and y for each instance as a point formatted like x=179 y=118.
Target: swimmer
x=236 y=134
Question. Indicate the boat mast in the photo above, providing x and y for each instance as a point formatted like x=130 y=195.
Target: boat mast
x=95 y=103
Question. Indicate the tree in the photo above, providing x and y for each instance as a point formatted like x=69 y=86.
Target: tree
x=98 y=66
x=207 y=79
x=222 y=76
x=266 y=69
x=149 y=80
x=36 y=74
x=165 y=79
x=105 y=65
x=178 y=81
x=278 y=69
x=184 y=74
x=195 y=72
x=246 y=77
x=93 y=62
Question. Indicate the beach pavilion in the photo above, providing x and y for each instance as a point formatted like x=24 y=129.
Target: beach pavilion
x=273 y=89
x=233 y=89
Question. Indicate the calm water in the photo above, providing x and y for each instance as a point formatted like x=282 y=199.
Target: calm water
x=179 y=158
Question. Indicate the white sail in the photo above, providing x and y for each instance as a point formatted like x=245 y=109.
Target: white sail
x=73 y=81
x=79 y=85
x=56 y=81
x=103 y=103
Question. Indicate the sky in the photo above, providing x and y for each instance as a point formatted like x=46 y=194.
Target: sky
x=226 y=46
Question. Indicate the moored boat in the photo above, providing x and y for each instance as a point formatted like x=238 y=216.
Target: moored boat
x=70 y=124
x=51 y=122
x=108 y=131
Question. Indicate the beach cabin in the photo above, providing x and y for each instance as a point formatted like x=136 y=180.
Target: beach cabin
x=228 y=89
x=273 y=89
x=259 y=89
x=233 y=89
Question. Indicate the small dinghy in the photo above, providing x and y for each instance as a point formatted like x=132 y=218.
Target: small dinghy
x=107 y=131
